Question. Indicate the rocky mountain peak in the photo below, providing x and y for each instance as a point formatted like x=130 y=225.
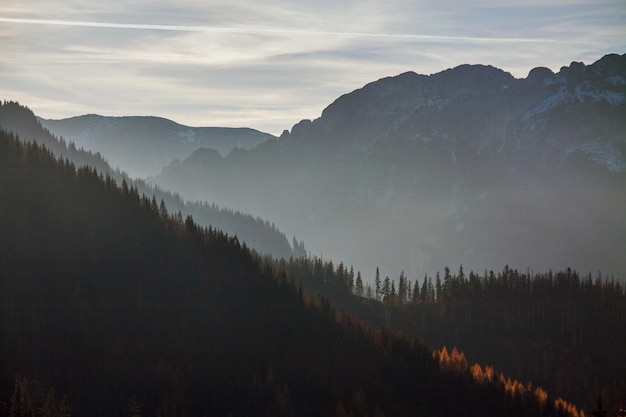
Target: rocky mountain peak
x=482 y=110
x=471 y=79
x=540 y=76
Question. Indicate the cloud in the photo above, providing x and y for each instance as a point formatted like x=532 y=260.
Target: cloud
x=269 y=64
x=279 y=31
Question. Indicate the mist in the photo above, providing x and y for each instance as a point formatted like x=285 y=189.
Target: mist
x=466 y=167
x=412 y=173
x=348 y=211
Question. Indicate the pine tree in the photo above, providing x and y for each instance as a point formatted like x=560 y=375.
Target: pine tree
x=438 y=289
x=409 y=290
x=415 y=297
x=351 y=279
x=424 y=291
x=162 y=210
x=431 y=290
x=359 y=284
x=401 y=289
x=386 y=291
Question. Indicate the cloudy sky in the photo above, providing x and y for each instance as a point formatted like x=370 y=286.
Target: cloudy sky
x=268 y=65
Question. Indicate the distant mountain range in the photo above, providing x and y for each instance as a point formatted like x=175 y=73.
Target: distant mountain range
x=467 y=166
x=257 y=233
x=142 y=146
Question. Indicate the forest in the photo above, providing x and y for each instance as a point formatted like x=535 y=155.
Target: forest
x=259 y=234
x=560 y=330
x=111 y=305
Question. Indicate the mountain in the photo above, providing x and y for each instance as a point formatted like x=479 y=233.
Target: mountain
x=258 y=234
x=141 y=146
x=124 y=309
x=470 y=165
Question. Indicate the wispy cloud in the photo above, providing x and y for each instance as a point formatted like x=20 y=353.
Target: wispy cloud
x=277 y=31
x=269 y=64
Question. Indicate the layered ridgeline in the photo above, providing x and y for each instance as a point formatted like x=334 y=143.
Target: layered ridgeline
x=257 y=233
x=142 y=146
x=122 y=309
x=469 y=165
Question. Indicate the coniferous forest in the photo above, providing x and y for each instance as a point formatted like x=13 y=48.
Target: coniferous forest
x=558 y=330
x=113 y=306
x=259 y=234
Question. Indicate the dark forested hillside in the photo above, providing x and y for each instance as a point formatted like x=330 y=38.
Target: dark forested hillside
x=22 y=121
x=561 y=331
x=258 y=234
x=120 y=308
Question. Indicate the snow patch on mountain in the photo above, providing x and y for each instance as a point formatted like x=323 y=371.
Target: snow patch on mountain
x=546 y=106
x=605 y=154
x=585 y=92
x=616 y=80
x=582 y=93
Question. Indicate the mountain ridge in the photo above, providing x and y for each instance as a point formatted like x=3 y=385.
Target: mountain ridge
x=142 y=145
x=412 y=92
x=444 y=159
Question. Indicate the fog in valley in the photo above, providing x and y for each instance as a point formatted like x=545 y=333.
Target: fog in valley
x=470 y=166
x=352 y=212
x=466 y=167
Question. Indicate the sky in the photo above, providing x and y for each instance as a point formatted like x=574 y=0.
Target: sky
x=268 y=65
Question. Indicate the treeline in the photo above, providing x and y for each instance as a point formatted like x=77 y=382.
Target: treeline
x=128 y=309
x=259 y=234
x=560 y=330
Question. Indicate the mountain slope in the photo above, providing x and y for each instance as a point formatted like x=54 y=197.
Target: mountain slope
x=563 y=332
x=141 y=146
x=470 y=165
x=131 y=311
x=257 y=233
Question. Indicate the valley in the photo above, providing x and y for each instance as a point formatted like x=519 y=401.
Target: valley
x=345 y=267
